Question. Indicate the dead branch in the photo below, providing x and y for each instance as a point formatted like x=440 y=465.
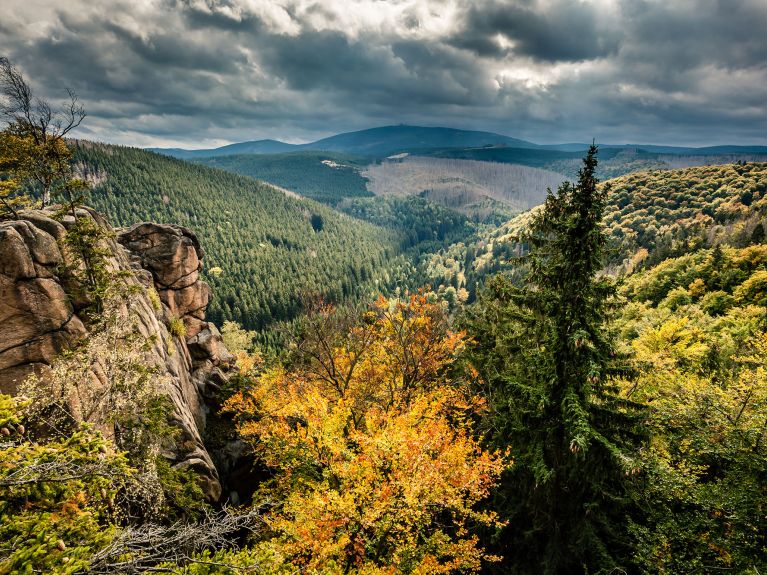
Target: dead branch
x=145 y=548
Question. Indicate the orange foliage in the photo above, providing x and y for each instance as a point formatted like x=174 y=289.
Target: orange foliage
x=378 y=468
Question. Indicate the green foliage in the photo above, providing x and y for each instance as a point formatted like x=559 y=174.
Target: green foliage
x=424 y=226
x=56 y=499
x=551 y=365
x=670 y=213
x=263 y=242
x=717 y=302
x=236 y=338
x=176 y=327
x=323 y=176
x=701 y=375
x=13 y=174
x=182 y=495
x=87 y=274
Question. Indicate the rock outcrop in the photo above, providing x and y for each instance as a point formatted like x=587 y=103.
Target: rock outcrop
x=39 y=315
x=36 y=315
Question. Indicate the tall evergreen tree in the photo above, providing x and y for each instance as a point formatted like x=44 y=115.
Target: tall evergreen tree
x=546 y=353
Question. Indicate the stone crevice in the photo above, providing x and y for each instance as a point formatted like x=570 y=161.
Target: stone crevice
x=36 y=339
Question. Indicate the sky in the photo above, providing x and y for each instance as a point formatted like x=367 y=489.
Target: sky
x=203 y=73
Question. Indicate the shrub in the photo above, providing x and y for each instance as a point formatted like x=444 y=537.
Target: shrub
x=717 y=302
x=177 y=327
x=676 y=298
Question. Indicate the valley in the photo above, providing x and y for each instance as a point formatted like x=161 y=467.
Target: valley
x=340 y=271
x=383 y=287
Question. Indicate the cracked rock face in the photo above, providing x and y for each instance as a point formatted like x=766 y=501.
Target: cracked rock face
x=36 y=315
x=174 y=257
x=39 y=319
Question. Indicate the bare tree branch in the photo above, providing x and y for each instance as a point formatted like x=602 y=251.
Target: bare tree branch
x=144 y=548
x=48 y=127
x=57 y=472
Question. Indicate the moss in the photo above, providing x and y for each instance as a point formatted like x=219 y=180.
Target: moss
x=170 y=347
x=154 y=299
x=177 y=327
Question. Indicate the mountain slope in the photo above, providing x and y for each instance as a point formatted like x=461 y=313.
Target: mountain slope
x=464 y=185
x=650 y=216
x=263 y=247
x=323 y=176
x=267 y=250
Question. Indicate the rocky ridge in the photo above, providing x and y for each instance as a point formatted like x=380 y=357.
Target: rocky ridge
x=41 y=318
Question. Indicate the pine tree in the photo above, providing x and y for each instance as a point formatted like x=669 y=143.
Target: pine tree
x=551 y=365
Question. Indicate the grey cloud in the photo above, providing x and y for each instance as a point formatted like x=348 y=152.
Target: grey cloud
x=565 y=31
x=192 y=73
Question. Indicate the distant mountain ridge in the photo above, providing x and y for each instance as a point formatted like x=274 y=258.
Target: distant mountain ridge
x=387 y=140
x=255 y=147
x=375 y=142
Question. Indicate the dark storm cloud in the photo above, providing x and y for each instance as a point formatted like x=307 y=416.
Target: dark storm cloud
x=563 y=31
x=198 y=72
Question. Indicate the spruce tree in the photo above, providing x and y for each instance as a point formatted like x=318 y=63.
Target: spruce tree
x=545 y=351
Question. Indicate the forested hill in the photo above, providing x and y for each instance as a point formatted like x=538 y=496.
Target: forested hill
x=327 y=177
x=650 y=216
x=670 y=213
x=263 y=247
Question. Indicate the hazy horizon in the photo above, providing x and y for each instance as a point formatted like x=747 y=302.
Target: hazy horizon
x=553 y=142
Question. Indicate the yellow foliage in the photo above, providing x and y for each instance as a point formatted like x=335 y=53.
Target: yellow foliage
x=371 y=441
x=697 y=288
x=672 y=343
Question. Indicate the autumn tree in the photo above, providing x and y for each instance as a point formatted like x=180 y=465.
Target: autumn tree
x=369 y=432
x=33 y=147
x=550 y=364
x=701 y=356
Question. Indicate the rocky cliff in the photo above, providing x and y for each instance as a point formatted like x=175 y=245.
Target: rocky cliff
x=40 y=316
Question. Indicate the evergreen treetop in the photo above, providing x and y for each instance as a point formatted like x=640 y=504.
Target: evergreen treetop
x=550 y=362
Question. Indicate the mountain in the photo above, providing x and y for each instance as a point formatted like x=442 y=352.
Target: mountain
x=374 y=142
x=255 y=147
x=387 y=140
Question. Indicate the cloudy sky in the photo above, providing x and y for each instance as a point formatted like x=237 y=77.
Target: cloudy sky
x=198 y=73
